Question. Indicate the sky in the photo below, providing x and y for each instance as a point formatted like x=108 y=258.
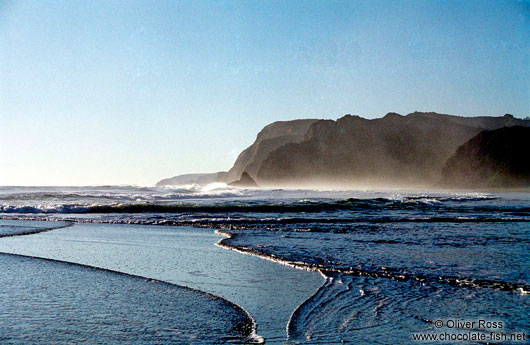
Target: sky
x=130 y=92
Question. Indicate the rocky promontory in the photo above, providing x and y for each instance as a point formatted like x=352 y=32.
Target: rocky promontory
x=498 y=158
x=245 y=182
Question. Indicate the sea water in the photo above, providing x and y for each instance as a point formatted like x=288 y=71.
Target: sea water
x=395 y=262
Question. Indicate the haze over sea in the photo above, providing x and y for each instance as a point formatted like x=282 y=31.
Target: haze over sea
x=392 y=262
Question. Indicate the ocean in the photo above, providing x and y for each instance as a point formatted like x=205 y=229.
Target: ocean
x=218 y=264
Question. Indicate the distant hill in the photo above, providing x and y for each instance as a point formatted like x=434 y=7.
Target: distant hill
x=187 y=179
x=498 y=158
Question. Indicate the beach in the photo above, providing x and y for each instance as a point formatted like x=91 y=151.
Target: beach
x=185 y=256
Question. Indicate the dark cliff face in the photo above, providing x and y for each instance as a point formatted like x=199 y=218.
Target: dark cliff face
x=269 y=139
x=498 y=158
x=394 y=150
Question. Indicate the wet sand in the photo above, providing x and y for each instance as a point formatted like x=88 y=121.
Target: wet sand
x=52 y=302
x=187 y=256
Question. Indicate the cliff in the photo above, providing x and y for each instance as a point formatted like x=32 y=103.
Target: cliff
x=268 y=139
x=498 y=158
x=394 y=150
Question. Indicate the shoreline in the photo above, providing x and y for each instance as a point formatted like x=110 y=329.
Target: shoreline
x=56 y=252
x=384 y=272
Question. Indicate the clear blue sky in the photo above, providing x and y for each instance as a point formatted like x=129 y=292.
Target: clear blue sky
x=129 y=92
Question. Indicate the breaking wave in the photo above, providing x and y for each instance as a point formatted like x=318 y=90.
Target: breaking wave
x=136 y=204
